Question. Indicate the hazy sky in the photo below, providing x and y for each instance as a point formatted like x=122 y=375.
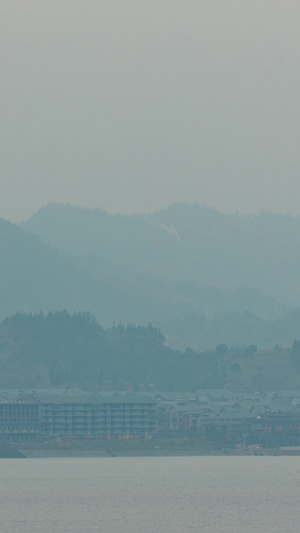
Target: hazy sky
x=131 y=105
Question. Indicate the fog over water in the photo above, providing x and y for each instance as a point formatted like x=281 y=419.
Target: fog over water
x=175 y=494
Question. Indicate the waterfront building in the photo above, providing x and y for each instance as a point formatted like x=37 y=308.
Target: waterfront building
x=19 y=417
x=57 y=413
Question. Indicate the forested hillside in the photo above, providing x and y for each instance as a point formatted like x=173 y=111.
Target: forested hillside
x=62 y=350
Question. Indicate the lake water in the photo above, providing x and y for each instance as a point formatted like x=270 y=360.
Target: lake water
x=155 y=494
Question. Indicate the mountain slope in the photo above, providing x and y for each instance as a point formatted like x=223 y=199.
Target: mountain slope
x=34 y=277
x=184 y=244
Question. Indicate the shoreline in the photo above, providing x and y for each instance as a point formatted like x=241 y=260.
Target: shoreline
x=135 y=448
x=44 y=454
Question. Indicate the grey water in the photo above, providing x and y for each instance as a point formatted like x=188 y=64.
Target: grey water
x=156 y=494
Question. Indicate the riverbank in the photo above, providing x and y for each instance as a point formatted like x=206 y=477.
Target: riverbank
x=156 y=447
x=116 y=447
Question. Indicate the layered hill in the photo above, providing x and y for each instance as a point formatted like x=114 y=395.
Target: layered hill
x=184 y=244
x=203 y=277
x=34 y=277
x=189 y=270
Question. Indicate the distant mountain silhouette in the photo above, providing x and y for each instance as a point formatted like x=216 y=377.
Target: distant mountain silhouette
x=34 y=277
x=182 y=244
x=203 y=277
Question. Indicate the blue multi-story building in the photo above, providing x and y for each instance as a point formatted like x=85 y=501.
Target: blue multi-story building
x=58 y=413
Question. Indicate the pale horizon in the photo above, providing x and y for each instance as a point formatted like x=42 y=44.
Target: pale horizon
x=131 y=107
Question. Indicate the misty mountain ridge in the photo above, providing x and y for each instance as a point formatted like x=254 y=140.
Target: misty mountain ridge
x=146 y=268
x=34 y=277
x=183 y=243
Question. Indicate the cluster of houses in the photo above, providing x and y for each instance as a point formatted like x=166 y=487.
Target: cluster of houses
x=74 y=413
x=206 y=410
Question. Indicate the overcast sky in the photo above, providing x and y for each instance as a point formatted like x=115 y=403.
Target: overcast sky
x=131 y=105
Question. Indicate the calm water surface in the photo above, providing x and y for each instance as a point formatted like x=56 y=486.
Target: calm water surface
x=184 y=494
